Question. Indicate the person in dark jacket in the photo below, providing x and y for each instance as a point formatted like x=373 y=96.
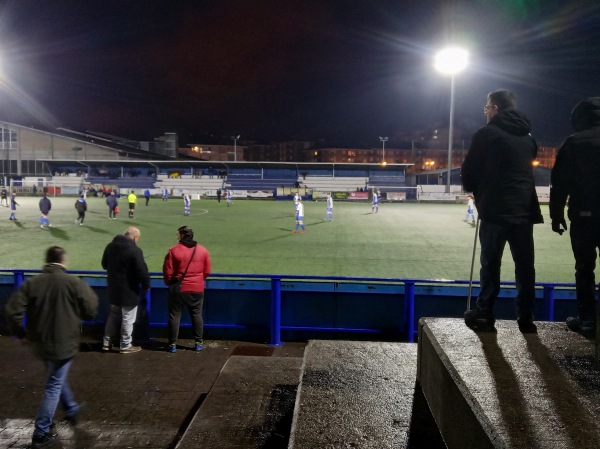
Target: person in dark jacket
x=55 y=303
x=498 y=170
x=45 y=206
x=81 y=206
x=193 y=260
x=127 y=277
x=576 y=176
x=112 y=203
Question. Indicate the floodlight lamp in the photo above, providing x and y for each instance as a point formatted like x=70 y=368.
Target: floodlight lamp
x=451 y=60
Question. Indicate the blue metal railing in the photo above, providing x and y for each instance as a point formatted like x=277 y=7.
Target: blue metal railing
x=275 y=319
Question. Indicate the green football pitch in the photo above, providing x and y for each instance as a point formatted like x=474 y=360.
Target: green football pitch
x=405 y=240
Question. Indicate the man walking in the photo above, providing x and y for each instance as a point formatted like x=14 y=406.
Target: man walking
x=498 y=170
x=575 y=176
x=55 y=303
x=147 y=196
x=112 y=202
x=45 y=206
x=127 y=277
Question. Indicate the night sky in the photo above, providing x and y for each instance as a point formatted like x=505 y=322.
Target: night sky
x=338 y=72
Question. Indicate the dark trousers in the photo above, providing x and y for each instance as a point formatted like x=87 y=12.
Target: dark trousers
x=193 y=302
x=493 y=238
x=585 y=240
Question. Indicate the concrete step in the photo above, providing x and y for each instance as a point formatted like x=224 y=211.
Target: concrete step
x=249 y=406
x=355 y=394
x=507 y=389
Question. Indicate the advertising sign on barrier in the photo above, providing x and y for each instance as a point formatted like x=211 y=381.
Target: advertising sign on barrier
x=358 y=196
x=396 y=196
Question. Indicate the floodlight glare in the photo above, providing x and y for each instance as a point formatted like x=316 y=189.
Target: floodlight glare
x=451 y=60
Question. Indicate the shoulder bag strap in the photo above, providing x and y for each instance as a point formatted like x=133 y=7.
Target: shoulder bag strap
x=188 y=265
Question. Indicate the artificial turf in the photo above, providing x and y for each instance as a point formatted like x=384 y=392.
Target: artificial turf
x=403 y=240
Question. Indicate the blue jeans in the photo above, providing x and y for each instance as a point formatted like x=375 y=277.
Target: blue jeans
x=493 y=238
x=123 y=317
x=57 y=389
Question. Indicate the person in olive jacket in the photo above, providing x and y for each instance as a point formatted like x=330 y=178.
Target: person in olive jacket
x=55 y=303
x=127 y=277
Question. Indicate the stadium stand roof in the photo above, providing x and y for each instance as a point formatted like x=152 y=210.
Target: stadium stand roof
x=178 y=163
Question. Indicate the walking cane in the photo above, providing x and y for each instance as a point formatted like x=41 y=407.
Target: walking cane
x=472 y=264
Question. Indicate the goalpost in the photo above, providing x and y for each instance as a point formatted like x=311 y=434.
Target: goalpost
x=36 y=186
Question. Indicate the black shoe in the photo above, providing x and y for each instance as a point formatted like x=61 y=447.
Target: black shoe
x=527 y=326
x=584 y=327
x=47 y=441
x=480 y=321
x=77 y=418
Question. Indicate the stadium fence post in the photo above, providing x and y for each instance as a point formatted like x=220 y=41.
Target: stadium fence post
x=409 y=310
x=549 y=302
x=275 y=311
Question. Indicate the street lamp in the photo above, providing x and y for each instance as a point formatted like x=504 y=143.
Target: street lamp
x=235 y=139
x=450 y=61
x=383 y=141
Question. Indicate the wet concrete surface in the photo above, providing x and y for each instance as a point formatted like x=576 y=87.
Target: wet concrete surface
x=356 y=395
x=141 y=400
x=510 y=390
x=250 y=406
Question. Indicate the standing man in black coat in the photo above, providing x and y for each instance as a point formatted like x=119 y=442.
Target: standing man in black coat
x=576 y=176
x=498 y=170
x=127 y=277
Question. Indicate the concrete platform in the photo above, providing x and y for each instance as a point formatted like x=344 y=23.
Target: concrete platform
x=250 y=405
x=141 y=400
x=509 y=390
x=355 y=394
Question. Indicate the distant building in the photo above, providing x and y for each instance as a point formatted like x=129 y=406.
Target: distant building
x=23 y=149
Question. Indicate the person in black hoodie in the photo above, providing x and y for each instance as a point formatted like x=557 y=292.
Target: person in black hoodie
x=575 y=176
x=498 y=170
x=126 y=272
x=81 y=207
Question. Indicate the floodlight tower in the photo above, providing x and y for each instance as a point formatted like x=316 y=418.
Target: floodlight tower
x=383 y=141
x=451 y=61
x=235 y=139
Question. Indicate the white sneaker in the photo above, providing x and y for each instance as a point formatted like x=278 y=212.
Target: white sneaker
x=42 y=226
x=80 y=224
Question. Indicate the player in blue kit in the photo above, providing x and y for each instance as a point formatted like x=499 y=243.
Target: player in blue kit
x=229 y=203
x=470 y=211
x=299 y=217
x=375 y=204
x=329 y=213
x=187 y=205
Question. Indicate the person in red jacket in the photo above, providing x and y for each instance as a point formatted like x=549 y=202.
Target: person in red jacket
x=189 y=264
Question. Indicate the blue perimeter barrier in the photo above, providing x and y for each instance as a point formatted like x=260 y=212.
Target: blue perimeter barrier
x=312 y=306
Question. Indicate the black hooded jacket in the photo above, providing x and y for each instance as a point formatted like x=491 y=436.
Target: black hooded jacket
x=498 y=170
x=576 y=172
